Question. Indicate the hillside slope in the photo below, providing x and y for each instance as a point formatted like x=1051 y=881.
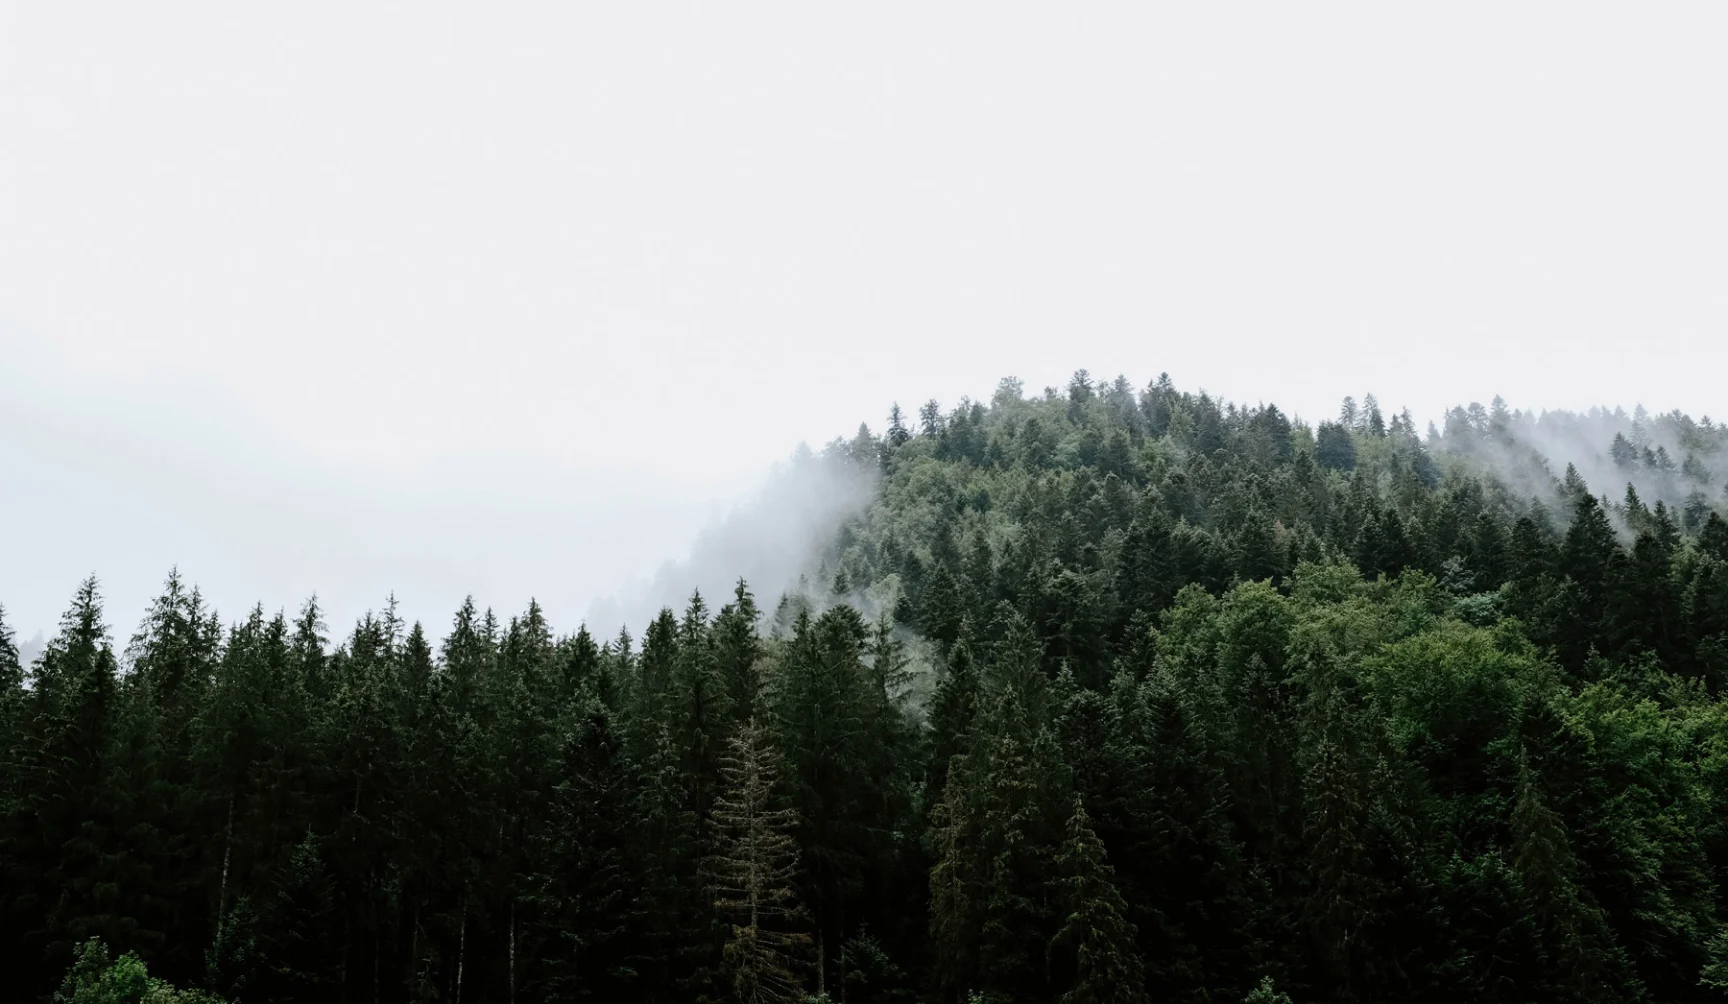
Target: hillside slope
x=1102 y=695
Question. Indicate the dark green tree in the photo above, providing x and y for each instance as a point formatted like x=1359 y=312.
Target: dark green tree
x=1107 y=968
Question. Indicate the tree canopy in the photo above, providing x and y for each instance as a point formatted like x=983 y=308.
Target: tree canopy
x=1106 y=695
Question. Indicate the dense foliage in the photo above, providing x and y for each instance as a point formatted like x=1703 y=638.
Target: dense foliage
x=1109 y=696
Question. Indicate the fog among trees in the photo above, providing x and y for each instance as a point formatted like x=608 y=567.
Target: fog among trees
x=1113 y=692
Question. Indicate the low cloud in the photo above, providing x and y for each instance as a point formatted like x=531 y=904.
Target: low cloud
x=773 y=541
x=1669 y=458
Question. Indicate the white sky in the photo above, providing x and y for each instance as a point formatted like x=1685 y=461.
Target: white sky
x=506 y=299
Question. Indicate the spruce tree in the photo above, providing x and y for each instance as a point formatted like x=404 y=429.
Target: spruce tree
x=303 y=935
x=1375 y=422
x=822 y=713
x=951 y=715
x=1543 y=858
x=898 y=434
x=12 y=698
x=64 y=845
x=753 y=871
x=1107 y=966
x=588 y=930
x=738 y=652
x=1335 y=447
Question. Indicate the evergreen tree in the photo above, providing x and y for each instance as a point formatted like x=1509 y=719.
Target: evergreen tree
x=1625 y=455
x=1335 y=447
x=1587 y=563
x=898 y=434
x=930 y=419
x=1399 y=732
x=752 y=871
x=823 y=715
x=952 y=711
x=303 y=934
x=1546 y=867
x=1375 y=423
x=588 y=931
x=12 y=698
x=65 y=856
x=1107 y=968
x=738 y=652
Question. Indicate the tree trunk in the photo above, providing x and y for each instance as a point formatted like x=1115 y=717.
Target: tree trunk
x=512 y=951
x=222 y=889
x=412 y=980
x=461 y=952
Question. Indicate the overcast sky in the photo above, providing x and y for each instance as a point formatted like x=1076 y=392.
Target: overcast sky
x=511 y=299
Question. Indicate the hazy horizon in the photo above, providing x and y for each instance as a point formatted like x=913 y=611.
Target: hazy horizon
x=514 y=303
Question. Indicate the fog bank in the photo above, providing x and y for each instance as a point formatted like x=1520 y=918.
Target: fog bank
x=1668 y=458
x=772 y=541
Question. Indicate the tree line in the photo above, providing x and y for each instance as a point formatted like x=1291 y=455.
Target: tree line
x=1108 y=695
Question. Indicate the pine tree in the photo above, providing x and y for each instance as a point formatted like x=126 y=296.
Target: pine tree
x=17 y=898
x=588 y=930
x=1335 y=447
x=651 y=688
x=1625 y=455
x=1588 y=561
x=942 y=607
x=752 y=871
x=701 y=718
x=898 y=434
x=1375 y=423
x=12 y=698
x=952 y=711
x=469 y=657
x=1713 y=538
x=955 y=889
x=175 y=648
x=1019 y=829
x=1348 y=415
x=1107 y=966
x=1017 y=664
x=738 y=651
x=995 y=838
x=1344 y=898
x=303 y=932
x=930 y=419
x=823 y=712
x=63 y=847
x=1544 y=861
x=309 y=650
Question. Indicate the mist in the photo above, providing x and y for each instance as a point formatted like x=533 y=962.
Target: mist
x=29 y=651
x=773 y=541
x=435 y=301
x=1665 y=458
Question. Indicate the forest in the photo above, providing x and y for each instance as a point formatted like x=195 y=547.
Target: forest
x=1108 y=694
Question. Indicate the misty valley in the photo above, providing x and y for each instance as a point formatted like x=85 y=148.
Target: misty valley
x=1105 y=693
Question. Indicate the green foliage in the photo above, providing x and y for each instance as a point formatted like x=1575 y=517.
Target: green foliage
x=1266 y=993
x=1107 y=967
x=1383 y=717
x=94 y=979
x=752 y=872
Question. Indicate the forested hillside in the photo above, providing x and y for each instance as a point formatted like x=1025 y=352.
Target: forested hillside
x=1108 y=695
